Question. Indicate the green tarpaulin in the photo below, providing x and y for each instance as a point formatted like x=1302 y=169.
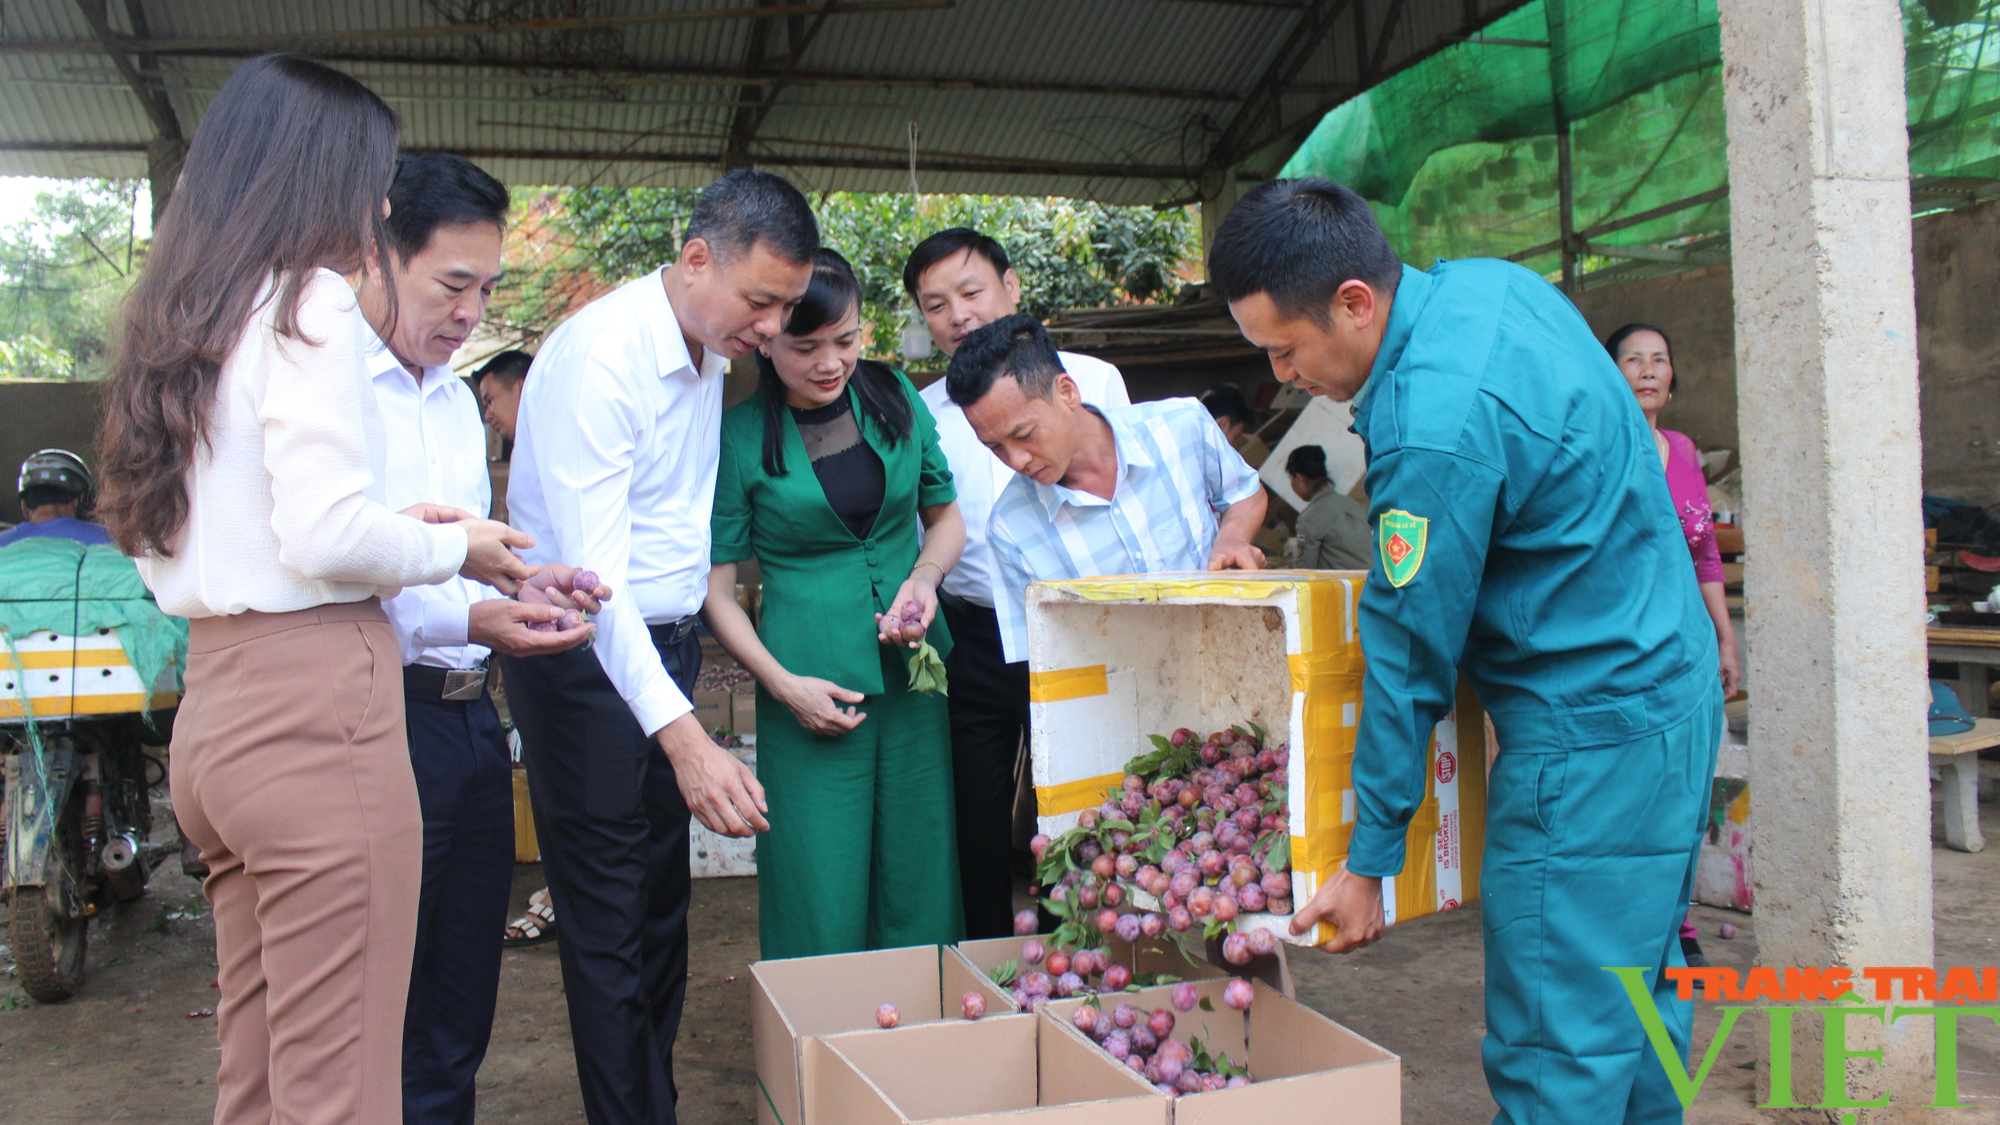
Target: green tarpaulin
x=63 y=586
x=1458 y=153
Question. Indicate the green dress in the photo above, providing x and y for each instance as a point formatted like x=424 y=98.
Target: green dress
x=861 y=853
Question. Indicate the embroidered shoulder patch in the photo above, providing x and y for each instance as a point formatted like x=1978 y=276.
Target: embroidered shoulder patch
x=1402 y=537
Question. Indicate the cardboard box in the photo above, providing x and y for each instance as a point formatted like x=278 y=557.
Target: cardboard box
x=743 y=712
x=1147 y=955
x=794 y=1000
x=1112 y=660
x=1302 y=1065
x=1012 y=1069
x=712 y=709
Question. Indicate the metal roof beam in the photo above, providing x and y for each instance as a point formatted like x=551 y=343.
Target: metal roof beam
x=986 y=166
x=1312 y=28
x=152 y=99
x=309 y=40
x=750 y=118
x=686 y=75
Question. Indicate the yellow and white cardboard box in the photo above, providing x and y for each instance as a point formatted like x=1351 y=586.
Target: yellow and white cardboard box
x=1114 y=660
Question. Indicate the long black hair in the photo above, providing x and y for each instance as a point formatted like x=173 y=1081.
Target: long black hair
x=286 y=175
x=1617 y=340
x=834 y=293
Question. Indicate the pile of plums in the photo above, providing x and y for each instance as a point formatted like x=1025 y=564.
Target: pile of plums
x=1201 y=826
x=1141 y=1041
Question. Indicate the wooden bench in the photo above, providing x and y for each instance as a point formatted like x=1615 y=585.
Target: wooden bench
x=1955 y=760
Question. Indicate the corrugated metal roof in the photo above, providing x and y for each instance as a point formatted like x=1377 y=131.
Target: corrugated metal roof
x=1129 y=101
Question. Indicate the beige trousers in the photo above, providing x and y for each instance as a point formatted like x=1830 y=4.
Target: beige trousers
x=291 y=771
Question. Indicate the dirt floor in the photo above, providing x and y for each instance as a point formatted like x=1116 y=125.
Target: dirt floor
x=138 y=1045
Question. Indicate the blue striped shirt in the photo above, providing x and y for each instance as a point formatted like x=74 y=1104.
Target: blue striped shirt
x=1176 y=475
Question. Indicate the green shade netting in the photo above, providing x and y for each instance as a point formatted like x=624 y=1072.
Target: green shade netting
x=63 y=586
x=1458 y=153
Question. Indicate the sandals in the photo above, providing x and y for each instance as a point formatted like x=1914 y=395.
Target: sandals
x=535 y=927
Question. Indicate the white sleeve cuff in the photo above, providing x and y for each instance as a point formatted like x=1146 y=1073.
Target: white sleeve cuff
x=659 y=704
x=446 y=622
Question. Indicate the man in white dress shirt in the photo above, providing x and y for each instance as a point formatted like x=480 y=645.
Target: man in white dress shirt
x=614 y=465
x=444 y=228
x=960 y=280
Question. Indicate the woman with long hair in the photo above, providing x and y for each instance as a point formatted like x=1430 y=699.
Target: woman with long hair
x=242 y=462
x=828 y=474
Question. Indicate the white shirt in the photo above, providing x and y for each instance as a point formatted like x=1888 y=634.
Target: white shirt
x=286 y=508
x=614 y=471
x=437 y=455
x=979 y=475
x=1176 y=475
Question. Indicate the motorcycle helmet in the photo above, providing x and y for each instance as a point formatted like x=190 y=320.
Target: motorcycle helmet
x=56 y=470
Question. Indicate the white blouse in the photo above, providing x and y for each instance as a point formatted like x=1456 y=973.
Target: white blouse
x=285 y=500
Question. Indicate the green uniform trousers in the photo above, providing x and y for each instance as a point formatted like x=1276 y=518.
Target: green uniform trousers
x=1590 y=858
x=862 y=850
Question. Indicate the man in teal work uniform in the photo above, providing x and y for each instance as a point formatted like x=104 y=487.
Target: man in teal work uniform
x=1523 y=533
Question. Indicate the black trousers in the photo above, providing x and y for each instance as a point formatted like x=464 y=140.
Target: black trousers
x=989 y=722
x=466 y=788
x=614 y=835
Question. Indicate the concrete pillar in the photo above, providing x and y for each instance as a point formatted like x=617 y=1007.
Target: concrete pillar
x=1827 y=395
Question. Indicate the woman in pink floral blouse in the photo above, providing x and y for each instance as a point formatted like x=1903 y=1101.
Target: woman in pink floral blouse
x=1647 y=358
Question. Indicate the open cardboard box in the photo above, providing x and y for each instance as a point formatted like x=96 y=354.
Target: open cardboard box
x=793 y=1000
x=1302 y=1064
x=1010 y=1069
x=1147 y=955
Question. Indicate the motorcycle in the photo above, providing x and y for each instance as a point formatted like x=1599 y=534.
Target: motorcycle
x=77 y=719
x=76 y=838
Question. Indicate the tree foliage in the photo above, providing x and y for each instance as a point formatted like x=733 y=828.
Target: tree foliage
x=62 y=272
x=569 y=244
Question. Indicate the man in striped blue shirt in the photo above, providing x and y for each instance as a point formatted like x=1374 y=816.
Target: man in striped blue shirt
x=1137 y=489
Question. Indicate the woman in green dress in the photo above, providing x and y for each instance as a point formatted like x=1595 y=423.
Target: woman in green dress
x=825 y=476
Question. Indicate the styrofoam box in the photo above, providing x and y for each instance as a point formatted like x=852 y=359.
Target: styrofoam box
x=1113 y=660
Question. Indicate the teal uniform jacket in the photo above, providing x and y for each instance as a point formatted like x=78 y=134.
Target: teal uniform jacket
x=1524 y=534
x=1540 y=551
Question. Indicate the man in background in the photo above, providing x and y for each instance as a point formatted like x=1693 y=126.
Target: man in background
x=499 y=381
x=444 y=245
x=1230 y=408
x=1139 y=489
x=52 y=486
x=615 y=457
x=961 y=279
